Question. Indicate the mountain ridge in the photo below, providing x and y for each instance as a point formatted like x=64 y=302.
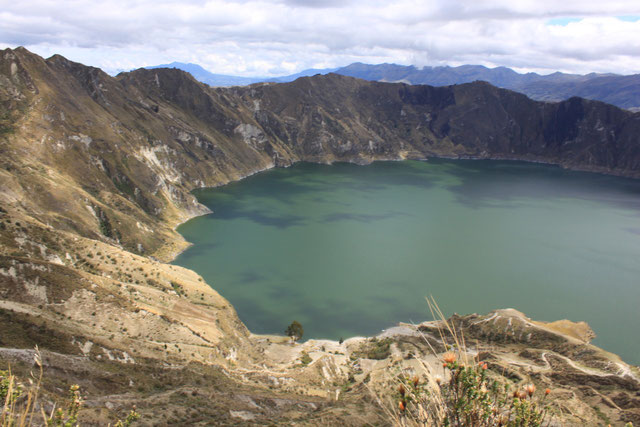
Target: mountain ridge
x=620 y=90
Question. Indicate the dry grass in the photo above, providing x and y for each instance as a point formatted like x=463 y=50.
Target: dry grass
x=22 y=408
x=19 y=408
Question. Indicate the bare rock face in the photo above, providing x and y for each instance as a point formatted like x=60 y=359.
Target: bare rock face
x=96 y=172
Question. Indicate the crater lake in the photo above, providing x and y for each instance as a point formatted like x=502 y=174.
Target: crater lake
x=350 y=250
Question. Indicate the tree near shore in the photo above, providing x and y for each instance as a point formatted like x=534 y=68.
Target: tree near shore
x=295 y=331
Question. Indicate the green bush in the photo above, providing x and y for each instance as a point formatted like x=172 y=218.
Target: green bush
x=374 y=349
x=305 y=359
x=295 y=330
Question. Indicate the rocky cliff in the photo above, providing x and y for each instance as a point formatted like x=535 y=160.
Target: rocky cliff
x=96 y=171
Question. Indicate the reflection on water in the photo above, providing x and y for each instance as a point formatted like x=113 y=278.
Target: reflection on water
x=349 y=250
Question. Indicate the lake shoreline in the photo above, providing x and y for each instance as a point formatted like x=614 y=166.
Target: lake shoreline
x=502 y=176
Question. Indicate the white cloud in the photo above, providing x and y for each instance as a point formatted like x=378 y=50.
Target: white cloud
x=263 y=37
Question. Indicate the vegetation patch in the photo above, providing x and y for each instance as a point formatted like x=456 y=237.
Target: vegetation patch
x=105 y=225
x=178 y=288
x=23 y=331
x=469 y=397
x=305 y=359
x=374 y=348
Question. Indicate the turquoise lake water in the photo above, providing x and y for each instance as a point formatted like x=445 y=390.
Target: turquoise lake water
x=350 y=250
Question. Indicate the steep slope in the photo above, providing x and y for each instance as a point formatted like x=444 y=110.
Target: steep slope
x=339 y=118
x=96 y=158
x=96 y=171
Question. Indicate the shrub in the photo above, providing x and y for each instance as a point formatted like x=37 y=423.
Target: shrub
x=9 y=390
x=295 y=330
x=468 y=398
x=305 y=359
x=374 y=349
x=177 y=287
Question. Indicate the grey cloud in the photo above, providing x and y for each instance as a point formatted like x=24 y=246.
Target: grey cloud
x=318 y=4
x=248 y=37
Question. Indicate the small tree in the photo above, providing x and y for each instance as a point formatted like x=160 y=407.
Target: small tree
x=295 y=331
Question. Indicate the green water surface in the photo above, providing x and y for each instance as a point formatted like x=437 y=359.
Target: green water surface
x=350 y=250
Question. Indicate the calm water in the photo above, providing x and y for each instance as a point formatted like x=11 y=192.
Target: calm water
x=350 y=250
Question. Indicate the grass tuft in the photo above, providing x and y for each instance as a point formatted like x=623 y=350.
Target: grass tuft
x=20 y=403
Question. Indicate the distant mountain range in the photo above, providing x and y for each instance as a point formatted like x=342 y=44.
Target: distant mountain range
x=225 y=80
x=623 y=91
x=208 y=77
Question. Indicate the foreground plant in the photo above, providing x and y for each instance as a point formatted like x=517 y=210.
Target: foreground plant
x=467 y=398
x=66 y=417
x=471 y=398
x=19 y=406
x=460 y=390
x=466 y=394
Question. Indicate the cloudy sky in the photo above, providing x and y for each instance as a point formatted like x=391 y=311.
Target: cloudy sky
x=277 y=37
